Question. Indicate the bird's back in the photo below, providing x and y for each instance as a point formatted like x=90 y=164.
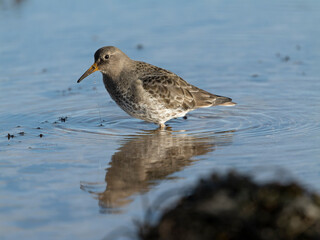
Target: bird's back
x=175 y=93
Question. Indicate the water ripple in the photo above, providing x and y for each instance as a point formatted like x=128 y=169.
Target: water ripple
x=248 y=121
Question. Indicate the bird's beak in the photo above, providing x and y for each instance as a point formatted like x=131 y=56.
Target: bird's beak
x=92 y=69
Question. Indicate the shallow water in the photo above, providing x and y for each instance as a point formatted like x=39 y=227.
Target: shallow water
x=95 y=169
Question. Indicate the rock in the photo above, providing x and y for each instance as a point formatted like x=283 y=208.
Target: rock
x=234 y=207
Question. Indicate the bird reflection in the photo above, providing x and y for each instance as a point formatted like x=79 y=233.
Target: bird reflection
x=145 y=159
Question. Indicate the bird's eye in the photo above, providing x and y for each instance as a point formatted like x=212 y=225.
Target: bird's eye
x=106 y=56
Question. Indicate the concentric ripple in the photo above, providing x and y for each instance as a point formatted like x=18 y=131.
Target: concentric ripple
x=246 y=120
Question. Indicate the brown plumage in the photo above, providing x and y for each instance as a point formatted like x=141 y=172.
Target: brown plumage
x=148 y=92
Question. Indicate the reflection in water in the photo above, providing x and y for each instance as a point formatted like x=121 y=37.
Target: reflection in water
x=144 y=159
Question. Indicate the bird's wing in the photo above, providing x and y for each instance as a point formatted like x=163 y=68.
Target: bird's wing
x=174 y=92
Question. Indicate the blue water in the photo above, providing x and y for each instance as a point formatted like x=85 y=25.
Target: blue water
x=83 y=180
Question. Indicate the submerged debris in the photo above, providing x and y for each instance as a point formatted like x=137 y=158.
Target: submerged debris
x=139 y=46
x=286 y=59
x=234 y=207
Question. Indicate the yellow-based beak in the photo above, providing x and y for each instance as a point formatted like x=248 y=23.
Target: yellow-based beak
x=92 y=69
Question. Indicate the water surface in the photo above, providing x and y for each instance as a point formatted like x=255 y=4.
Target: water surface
x=95 y=169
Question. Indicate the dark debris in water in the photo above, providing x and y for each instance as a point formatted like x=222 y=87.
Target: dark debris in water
x=9 y=136
x=139 y=46
x=286 y=59
x=283 y=59
x=63 y=119
x=234 y=207
x=69 y=91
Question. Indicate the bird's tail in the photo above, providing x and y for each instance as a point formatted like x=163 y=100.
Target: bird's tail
x=205 y=99
x=226 y=102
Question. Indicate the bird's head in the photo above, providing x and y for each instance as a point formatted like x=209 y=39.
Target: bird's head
x=108 y=60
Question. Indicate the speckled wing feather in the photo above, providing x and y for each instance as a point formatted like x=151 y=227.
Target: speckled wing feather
x=172 y=91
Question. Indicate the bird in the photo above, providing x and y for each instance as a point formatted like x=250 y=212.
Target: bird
x=148 y=92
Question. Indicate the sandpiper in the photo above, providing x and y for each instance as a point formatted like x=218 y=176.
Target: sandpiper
x=148 y=92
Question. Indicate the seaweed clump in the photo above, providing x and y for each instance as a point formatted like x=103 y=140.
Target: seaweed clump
x=233 y=207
